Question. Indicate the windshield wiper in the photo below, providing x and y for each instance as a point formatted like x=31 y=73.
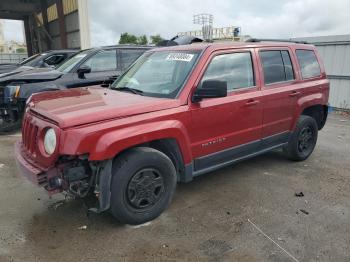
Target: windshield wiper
x=129 y=89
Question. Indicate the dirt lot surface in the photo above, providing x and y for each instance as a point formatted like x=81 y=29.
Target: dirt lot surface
x=210 y=219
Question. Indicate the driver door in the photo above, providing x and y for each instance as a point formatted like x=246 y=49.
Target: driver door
x=103 y=66
x=226 y=128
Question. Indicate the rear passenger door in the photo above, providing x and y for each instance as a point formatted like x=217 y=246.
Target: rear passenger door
x=280 y=93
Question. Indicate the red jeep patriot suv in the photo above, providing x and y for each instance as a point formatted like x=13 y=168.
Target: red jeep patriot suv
x=176 y=113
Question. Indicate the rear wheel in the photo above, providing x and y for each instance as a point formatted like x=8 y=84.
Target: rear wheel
x=303 y=140
x=143 y=184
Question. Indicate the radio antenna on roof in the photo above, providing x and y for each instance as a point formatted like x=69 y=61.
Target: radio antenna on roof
x=206 y=21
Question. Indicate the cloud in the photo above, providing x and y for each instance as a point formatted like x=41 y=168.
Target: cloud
x=263 y=18
x=273 y=19
x=300 y=18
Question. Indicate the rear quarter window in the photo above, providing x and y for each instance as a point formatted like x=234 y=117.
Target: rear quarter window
x=308 y=63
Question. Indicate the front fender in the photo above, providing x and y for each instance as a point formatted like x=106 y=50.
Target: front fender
x=114 y=142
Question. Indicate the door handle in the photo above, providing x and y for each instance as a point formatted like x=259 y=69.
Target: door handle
x=252 y=102
x=294 y=93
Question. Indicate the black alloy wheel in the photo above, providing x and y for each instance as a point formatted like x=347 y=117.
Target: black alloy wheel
x=145 y=188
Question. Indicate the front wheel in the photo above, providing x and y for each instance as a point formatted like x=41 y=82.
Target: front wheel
x=8 y=126
x=143 y=184
x=303 y=140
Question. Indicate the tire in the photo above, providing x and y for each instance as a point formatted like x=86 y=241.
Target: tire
x=143 y=185
x=9 y=127
x=303 y=140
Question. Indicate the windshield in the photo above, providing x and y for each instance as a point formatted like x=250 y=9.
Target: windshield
x=159 y=74
x=67 y=66
x=33 y=60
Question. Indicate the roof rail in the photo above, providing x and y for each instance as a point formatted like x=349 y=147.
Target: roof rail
x=254 y=40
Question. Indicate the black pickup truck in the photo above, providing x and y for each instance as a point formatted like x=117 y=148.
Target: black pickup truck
x=88 y=67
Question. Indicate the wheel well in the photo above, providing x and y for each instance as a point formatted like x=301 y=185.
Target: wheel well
x=319 y=113
x=171 y=149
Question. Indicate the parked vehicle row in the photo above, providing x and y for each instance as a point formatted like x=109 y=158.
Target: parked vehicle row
x=176 y=113
x=88 y=67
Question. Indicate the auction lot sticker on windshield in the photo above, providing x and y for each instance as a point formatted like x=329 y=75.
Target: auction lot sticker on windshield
x=180 y=57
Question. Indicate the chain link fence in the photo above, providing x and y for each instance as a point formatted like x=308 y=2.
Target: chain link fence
x=6 y=58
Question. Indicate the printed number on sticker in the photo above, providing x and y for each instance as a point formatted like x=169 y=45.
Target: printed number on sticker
x=180 y=57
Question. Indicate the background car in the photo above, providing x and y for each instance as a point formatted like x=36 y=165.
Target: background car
x=47 y=59
x=88 y=67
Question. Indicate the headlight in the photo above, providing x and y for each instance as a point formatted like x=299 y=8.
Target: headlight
x=50 y=141
x=11 y=92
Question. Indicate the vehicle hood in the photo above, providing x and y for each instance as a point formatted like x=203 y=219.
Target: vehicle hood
x=25 y=73
x=16 y=69
x=7 y=68
x=79 y=106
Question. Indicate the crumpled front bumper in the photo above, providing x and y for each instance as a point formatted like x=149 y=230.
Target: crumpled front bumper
x=37 y=175
x=33 y=173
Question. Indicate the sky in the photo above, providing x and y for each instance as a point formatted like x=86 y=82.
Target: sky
x=257 y=18
x=13 y=30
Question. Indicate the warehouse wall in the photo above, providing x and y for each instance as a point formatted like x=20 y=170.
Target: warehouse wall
x=335 y=51
x=75 y=32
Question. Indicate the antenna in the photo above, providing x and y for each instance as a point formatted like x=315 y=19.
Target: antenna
x=206 y=21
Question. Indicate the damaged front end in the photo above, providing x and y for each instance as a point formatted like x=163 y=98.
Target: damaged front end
x=75 y=175
x=80 y=177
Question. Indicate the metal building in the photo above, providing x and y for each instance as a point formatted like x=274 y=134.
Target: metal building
x=335 y=51
x=50 y=24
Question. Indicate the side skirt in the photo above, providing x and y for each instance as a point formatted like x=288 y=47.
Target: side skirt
x=234 y=155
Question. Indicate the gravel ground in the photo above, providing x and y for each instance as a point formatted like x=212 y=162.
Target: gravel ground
x=246 y=212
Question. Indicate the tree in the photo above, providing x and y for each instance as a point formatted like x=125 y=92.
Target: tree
x=142 y=40
x=21 y=50
x=126 y=38
x=155 y=39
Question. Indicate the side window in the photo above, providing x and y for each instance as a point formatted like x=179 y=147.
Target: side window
x=236 y=69
x=277 y=66
x=308 y=63
x=54 y=59
x=105 y=60
x=128 y=56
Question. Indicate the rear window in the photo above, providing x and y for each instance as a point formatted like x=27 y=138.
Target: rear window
x=308 y=63
x=277 y=66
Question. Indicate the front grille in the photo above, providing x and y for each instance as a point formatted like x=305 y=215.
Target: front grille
x=29 y=136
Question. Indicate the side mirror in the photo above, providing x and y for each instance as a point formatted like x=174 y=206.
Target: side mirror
x=210 y=89
x=84 y=69
x=109 y=81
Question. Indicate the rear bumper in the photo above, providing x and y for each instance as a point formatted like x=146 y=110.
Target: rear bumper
x=34 y=174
